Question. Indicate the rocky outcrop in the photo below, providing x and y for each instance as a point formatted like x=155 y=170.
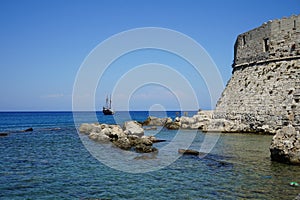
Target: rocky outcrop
x=123 y=143
x=131 y=138
x=285 y=146
x=173 y=125
x=155 y=121
x=133 y=128
x=220 y=125
x=198 y=121
x=102 y=132
x=206 y=122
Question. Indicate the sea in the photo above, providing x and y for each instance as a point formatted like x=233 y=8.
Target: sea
x=53 y=162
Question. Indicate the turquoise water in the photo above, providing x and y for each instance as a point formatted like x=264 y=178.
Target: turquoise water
x=52 y=163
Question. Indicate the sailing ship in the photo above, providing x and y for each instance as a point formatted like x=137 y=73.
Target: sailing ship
x=107 y=109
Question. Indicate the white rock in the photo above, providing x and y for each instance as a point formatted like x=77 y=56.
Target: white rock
x=117 y=130
x=133 y=128
x=285 y=146
x=96 y=128
x=99 y=137
x=155 y=121
x=86 y=128
x=185 y=126
x=106 y=131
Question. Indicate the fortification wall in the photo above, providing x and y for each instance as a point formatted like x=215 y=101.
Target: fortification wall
x=278 y=39
x=264 y=90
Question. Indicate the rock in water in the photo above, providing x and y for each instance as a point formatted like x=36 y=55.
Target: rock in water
x=86 y=128
x=143 y=144
x=132 y=138
x=173 y=125
x=142 y=148
x=3 y=134
x=285 y=146
x=123 y=143
x=155 y=121
x=99 y=137
x=133 y=128
x=188 y=152
x=28 y=130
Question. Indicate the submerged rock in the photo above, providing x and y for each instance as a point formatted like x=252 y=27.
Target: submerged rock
x=142 y=148
x=148 y=156
x=150 y=128
x=3 y=134
x=285 y=146
x=28 y=130
x=188 y=152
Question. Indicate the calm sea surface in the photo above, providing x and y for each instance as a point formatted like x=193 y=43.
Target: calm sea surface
x=52 y=163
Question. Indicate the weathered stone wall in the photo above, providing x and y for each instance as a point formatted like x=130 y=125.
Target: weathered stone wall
x=273 y=40
x=264 y=90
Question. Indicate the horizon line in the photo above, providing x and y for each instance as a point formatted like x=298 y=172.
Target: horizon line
x=1 y=111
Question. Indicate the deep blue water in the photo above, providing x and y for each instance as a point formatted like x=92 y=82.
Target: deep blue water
x=52 y=163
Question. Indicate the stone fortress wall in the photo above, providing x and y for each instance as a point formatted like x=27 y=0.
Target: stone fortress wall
x=264 y=90
x=276 y=39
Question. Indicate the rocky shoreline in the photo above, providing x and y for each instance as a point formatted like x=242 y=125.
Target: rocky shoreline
x=206 y=122
x=285 y=145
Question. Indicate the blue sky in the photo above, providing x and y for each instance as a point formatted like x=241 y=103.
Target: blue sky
x=44 y=42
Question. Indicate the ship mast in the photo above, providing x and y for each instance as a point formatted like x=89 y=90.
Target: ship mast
x=110 y=102
x=106 y=101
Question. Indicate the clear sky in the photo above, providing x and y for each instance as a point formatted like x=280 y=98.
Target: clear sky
x=44 y=42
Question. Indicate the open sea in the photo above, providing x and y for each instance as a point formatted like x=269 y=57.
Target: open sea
x=51 y=162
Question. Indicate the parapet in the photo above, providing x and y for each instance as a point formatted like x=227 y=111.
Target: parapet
x=274 y=40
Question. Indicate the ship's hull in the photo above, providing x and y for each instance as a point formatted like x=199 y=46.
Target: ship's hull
x=107 y=111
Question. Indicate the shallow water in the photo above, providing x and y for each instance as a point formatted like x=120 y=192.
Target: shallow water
x=52 y=163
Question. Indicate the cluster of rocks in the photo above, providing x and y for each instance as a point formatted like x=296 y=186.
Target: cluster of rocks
x=156 y=121
x=198 y=121
x=285 y=146
x=205 y=121
x=130 y=137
